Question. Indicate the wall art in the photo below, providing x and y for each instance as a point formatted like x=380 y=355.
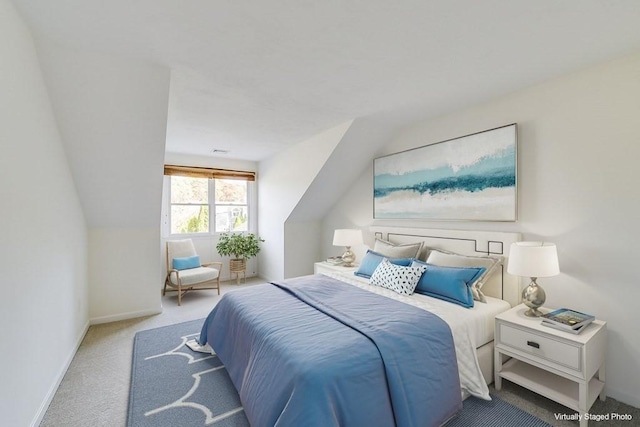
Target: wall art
x=470 y=178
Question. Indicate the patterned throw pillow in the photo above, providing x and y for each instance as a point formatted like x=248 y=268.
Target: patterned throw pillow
x=402 y=280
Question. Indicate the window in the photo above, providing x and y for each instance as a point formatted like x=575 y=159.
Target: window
x=230 y=205
x=205 y=205
x=189 y=205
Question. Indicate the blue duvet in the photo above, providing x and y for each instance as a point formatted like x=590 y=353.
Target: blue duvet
x=314 y=351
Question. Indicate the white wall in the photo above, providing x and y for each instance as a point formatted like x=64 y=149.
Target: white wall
x=303 y=228
x=112 y=114
x=124 y=273
x=283 y=180
x=183 y=159
x=353 y=210
x=43 y=237
x=301 y=248
x=579 y=144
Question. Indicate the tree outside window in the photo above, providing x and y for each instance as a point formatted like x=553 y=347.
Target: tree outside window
x=194 y=200
x=231 y=209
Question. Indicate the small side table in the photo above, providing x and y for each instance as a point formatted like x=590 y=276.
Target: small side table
x=566 y=368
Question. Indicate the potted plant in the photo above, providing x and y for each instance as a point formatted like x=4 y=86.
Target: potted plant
x=241 y=247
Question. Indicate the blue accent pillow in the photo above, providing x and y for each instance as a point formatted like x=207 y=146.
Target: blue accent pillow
x=372 y=259
x=451 y=284
x=186 y=262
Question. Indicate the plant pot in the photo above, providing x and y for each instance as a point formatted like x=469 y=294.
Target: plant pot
x=238 y=266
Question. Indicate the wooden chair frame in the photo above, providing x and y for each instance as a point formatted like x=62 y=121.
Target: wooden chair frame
x=183 y=289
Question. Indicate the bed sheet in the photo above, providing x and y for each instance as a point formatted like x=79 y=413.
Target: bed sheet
x=471 y=327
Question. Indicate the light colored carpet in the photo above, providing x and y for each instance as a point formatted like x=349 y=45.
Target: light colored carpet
x=95 y=389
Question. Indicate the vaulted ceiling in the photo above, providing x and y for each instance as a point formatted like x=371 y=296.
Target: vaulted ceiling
x=251 y=77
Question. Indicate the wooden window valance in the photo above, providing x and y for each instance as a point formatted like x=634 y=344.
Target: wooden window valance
x=197 y=172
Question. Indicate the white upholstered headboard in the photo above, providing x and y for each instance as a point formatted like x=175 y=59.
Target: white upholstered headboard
x=467 y=242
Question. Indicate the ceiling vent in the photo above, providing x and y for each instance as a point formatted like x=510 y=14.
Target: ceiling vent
x=219 y=151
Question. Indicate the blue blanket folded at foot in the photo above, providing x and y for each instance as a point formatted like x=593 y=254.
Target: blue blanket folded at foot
x=315 y=351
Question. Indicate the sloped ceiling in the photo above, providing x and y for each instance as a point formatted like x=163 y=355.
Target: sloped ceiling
x=345 y=164
x=112 y=115
x=253 y=77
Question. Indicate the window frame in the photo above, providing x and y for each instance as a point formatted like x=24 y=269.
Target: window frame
x=211 y=182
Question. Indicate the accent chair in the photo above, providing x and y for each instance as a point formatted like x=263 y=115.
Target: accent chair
x=186 y=273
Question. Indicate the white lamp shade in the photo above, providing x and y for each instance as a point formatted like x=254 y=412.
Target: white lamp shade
x=347 y=237
x=533 y=259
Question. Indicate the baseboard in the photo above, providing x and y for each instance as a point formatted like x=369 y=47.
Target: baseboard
x=230 y=278
x=623 y=397
x=124 y=316
x=52 y=391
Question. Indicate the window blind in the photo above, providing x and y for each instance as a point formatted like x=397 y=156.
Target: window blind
x=198 y=172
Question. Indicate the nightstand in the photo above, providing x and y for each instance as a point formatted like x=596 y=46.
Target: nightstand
x=566 y=368
x=325 y=267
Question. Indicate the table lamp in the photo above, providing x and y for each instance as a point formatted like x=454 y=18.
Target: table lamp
x=347 y=237
x=533 y=259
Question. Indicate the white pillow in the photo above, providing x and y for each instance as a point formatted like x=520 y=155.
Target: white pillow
x=402 y=280
x=391 y=250
x=450 y=259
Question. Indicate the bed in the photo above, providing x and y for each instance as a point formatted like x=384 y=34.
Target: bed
x=333 y=350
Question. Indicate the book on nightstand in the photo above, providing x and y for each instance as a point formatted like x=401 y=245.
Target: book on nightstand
x=567 y=320
x=334 y=260
x=560 y=328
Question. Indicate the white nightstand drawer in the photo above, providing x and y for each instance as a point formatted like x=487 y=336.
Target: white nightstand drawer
x=552 y=350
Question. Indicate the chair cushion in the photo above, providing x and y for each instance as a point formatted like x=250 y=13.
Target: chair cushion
x=195 y=275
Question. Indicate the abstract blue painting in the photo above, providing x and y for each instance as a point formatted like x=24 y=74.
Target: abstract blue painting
x=471 y=178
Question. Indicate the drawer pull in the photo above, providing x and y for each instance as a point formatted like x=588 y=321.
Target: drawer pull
x=533 y=344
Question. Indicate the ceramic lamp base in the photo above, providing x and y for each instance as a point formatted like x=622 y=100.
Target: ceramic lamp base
x=348 y=257
x=533 y=296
